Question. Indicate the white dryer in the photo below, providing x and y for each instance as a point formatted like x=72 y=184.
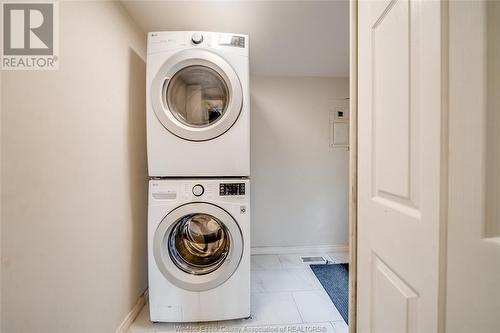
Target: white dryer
x=198 y=121
x=199 y=249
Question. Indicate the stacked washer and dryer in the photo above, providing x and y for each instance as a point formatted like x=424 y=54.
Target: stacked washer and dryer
x=198 y=138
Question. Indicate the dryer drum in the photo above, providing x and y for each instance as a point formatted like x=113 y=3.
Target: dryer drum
x=197 y=96
x=199 y=243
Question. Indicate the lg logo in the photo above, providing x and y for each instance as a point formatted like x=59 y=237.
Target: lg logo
x=28 y=29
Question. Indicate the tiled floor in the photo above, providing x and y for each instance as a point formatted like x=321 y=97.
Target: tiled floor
x=285 y=293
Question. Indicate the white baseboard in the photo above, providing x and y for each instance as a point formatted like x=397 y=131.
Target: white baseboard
x=130 y=317
x=315 y=249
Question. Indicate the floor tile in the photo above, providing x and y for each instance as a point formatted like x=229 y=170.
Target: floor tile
x=316 y=306
x=339 y=257
x=295 y=260
x=308 y=274
x=291 y=261
x=280 y=280
x=260 y=262
x=291 y=298
x=340 y=326
x=257 y=282
x=272 y=308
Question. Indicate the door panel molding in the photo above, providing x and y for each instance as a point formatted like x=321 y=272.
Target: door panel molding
x=391 y=296
x=395 y=123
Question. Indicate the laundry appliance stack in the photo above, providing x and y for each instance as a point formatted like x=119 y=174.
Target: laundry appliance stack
x=198 y=139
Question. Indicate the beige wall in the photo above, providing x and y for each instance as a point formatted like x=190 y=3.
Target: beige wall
x=299 y=183
x=493 y=118
x=74 y=179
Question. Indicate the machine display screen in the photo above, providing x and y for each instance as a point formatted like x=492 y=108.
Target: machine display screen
x=232 y=189
x=235 y=41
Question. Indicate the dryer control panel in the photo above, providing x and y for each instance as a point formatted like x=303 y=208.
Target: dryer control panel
x=232 y=189
x=174 y=41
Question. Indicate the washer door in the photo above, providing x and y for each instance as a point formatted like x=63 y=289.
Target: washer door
x=197 y=95
x=198 y=246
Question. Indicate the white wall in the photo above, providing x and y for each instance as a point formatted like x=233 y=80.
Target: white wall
x=299 y=184
x=74 y=179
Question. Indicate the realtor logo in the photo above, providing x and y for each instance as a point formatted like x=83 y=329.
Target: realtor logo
x=29 y=36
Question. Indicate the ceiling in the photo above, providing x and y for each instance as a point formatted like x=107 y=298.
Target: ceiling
x=299 y=38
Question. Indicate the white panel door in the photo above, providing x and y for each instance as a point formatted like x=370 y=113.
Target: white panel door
x=473 y=250
x=399 y=165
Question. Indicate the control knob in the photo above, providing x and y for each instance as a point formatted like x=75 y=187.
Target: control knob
x=198 y=190
x=197 y=38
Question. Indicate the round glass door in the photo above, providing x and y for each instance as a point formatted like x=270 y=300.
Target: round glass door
x=199 y=243
x=196 y=95
x=198 y=246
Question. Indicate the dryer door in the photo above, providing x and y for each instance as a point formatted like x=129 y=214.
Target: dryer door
x=197 y=95
x=198 y=246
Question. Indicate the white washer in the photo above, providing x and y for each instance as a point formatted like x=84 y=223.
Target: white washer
x=198 y=121
x=199 y=249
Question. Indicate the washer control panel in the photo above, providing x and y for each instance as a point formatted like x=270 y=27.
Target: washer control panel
x=231 y=189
